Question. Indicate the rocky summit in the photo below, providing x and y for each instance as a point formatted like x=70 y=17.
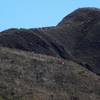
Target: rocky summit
x=61 y=62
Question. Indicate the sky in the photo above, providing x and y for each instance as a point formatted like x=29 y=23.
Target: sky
x=38 y=13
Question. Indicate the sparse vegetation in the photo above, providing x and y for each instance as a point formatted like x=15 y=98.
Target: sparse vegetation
x=53 y=63
x=30 y=78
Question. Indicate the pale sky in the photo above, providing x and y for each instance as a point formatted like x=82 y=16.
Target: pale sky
x=38 y=13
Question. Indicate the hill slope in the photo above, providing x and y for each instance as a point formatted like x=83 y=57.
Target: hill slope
x=76 y=37
x=29 y=76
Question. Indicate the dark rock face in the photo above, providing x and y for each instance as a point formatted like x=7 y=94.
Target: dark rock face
x=76 y=37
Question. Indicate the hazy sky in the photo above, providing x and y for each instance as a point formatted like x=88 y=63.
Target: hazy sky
x=38 y=13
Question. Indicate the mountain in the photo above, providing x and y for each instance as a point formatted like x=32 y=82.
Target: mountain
x=53 y=63
x=30 y=76
x=76 y=37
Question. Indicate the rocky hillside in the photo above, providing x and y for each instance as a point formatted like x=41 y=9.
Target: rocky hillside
x=29 y=76
x=53 y=63
x=76 y=37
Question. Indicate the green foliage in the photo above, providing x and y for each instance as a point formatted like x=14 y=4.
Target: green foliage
x=1 y=98
x=50 y=61
x=82 y=73
x=10 y=98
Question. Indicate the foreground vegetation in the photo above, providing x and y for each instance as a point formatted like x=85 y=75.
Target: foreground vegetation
x=29 y=76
